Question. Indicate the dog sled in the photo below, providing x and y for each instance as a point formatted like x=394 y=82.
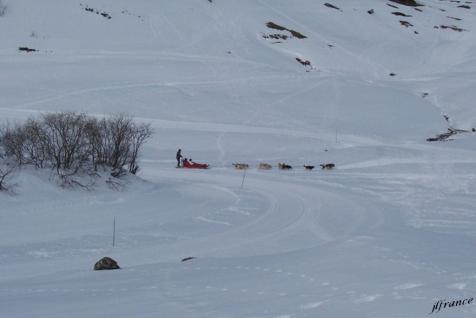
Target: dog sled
x=189 y=164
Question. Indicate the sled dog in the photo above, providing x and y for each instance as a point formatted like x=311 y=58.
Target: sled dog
x=241 y=166
x=264 y=166
x=284 y=166
x=327 y=166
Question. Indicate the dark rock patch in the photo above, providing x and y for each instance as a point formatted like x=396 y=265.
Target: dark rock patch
x=106 y=263
x=410 y=3
x=276 y=36
x=401 y=14
x=329 y=5
x=297 y=34
x=303 y=62
x=406 y=23
x=445 y=136
x=371 y=11
x=275 y=26
x=452 y=27
x=26 y=49
x=92 y=10
x=464 y=6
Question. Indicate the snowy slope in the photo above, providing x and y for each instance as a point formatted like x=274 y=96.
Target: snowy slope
x=386 y=234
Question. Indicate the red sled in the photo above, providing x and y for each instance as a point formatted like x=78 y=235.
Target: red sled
x=193 y=165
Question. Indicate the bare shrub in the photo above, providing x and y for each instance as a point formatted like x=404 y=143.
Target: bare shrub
x=140 y=134
x=6 y=172
x=117 y=141
x=3 y=9
x=35 y=140
x=64 y=140
x=70 y=143
x=13 y=140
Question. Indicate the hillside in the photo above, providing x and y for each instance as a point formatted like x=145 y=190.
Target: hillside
x=361 y=84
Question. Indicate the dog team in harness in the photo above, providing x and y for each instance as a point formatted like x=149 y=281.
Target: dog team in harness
x=183 y=162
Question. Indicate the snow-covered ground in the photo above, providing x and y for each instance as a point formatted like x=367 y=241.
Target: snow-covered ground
x=387 y=233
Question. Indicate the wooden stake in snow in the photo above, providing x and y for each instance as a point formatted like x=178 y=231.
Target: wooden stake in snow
x=243 y=181
x=114 y=232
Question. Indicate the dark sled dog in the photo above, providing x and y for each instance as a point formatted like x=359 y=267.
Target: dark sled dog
x=327 y=166
x=284 y=166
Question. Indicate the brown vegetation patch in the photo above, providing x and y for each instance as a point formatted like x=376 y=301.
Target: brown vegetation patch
x=103 y=13
x=410 y=3
x=277 y=36
x=275 y=26
x=303 y=62
x=452 y=27
x=401 y=14
x=406 y=23
x=26 y=49
x=445 y=136
x=329 y=5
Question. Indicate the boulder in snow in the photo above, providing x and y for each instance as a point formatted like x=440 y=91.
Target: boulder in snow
x=106 y=263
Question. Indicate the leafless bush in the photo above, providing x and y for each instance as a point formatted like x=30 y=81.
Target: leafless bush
x=116 y=141
x=6 y=172
x=13 y=141
x=64 y=140
x=71 y=142
x=3 y=8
